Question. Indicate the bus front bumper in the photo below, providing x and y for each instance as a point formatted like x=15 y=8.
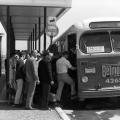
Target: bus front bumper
x=99 y=93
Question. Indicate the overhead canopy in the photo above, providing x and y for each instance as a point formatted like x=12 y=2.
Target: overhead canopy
x=26 y=13
x=55 y=3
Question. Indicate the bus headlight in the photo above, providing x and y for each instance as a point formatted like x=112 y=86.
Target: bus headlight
x=85 y=79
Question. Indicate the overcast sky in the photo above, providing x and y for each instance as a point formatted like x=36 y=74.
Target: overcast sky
x=85 y=9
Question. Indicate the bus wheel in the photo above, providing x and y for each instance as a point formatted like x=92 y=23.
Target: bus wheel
x=114 y=101
x=82 y=103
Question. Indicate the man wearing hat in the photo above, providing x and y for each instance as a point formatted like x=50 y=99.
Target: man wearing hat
x=45 y=76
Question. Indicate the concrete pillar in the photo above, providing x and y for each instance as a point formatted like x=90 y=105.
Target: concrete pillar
x=12 y=37
x=8 y=32
x=39 y=34
x=33 y=39
x=45 y=17
x=31 y=42
x=8 y=48
x=35 y=36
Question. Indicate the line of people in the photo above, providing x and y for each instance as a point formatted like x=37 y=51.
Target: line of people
x=30 y=71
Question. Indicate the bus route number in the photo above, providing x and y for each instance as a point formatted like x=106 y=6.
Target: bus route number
x=112 y=80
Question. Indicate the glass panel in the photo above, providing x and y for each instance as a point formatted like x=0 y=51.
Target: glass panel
x=95 y=42
x=105 y=24
x=115 y=36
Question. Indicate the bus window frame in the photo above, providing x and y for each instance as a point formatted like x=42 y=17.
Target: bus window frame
x=91 y=31
x=111 y=33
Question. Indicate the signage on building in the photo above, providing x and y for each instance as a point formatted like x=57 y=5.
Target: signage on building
x=51 y=20
x=52 y=30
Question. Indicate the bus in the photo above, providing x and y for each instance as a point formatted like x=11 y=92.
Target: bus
x=96 y=44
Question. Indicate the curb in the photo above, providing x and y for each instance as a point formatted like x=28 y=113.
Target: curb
x=62 y=114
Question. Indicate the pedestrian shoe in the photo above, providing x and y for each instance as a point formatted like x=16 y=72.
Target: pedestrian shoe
x=44 y=108
x=16 y=105
x=73 y=97
x=58 y=104
x=29 y=108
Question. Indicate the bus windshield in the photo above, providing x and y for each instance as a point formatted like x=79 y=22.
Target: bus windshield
x=95 y=42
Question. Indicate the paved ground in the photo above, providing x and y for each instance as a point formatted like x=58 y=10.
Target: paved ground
x=94 y=114
x=96 y=109
x=8 y=112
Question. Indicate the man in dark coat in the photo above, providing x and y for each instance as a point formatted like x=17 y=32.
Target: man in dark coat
x=45 y=77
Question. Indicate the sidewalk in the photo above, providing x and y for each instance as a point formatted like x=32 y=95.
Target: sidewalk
x=8 y=112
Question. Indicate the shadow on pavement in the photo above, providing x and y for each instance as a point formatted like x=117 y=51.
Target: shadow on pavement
x=6 y=106
x=91 y=104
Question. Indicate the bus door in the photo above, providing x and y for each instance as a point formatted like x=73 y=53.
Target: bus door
x=72 y=48
x=98 y=66
x=72 y=55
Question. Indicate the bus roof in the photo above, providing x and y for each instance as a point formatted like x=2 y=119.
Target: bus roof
x=71 y=29
x=85 y=24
